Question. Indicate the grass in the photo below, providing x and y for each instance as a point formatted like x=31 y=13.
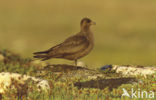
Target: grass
x=63 y=90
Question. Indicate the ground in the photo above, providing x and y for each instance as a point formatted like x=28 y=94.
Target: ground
x=68 y=82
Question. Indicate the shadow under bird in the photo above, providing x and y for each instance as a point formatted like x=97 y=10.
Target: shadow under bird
x=74 y=47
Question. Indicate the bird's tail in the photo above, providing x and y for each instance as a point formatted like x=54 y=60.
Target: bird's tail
x=42 y=52
x=43 y=57
x=40 y=56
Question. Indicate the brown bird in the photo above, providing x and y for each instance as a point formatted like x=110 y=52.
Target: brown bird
x=74 y=47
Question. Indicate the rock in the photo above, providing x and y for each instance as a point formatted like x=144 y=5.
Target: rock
x=6 y=79
x=80 y=63
x=72 y=72
x=134 y=70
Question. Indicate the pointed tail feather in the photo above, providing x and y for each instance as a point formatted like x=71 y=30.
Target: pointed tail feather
x=42 y=52
x=40 y=56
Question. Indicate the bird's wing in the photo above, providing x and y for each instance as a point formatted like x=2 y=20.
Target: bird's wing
x=71 y=45
x=47 y=51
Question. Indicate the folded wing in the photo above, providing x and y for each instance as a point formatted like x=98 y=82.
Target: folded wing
x=71 y=45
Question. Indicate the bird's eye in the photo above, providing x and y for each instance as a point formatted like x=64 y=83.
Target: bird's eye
x=88 y=21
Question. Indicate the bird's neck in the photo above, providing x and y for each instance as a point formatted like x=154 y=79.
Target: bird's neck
x=88 y=33
x=85 y=28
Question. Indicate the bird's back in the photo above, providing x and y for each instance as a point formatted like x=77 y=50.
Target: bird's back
x=72 y=48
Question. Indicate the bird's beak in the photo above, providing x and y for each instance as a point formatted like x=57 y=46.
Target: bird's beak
x=93 y=23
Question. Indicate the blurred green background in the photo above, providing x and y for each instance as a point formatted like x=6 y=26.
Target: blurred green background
x=125 y=32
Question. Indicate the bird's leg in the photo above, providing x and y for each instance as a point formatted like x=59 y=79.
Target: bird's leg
x=76 y=62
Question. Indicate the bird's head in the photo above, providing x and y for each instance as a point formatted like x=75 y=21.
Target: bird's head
x=86 y=23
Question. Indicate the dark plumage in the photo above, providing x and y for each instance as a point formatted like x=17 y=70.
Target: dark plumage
x=74 y=47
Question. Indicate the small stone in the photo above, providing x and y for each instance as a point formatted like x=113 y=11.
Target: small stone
x=80 y=63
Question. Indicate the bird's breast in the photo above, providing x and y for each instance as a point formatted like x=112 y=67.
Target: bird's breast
x=85 y=51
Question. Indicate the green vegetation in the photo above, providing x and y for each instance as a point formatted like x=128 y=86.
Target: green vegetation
x=63 y=90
